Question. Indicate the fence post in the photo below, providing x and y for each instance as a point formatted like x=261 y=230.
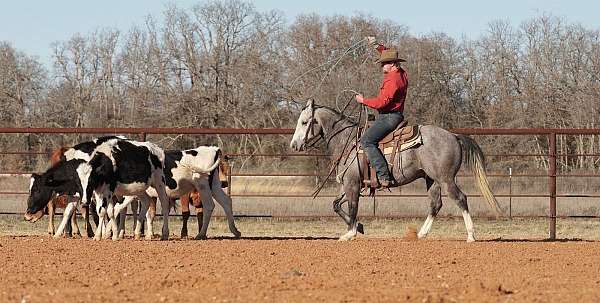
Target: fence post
x=510 y=193
x=552 y=183
x=229 y=169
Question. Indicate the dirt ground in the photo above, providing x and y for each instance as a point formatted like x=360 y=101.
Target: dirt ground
x=298 y=269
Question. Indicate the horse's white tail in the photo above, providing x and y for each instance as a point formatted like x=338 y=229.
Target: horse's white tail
x=473 y=156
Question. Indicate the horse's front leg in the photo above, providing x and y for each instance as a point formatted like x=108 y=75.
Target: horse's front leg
x=353 y=224
x=338 y=207
x=351 y=195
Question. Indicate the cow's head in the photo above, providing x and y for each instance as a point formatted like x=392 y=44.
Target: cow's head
x=41 y=189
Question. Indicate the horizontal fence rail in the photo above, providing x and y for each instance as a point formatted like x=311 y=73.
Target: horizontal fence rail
x=551 y=156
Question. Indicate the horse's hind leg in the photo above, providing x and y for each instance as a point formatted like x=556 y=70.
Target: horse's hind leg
x=435 y=194
x=460 y=198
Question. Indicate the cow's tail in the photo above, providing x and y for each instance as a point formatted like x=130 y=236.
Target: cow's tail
x=474 y=159
x=214 y=168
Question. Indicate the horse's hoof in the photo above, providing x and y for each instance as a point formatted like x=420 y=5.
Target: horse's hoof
x=200 y=237
x=237 y=234
x=56 y=236
x=345 y=238
x=137 y=237
x=97 y=238
x=148 y=237
x=470 y=239
x=360 y=228
x=164 y=237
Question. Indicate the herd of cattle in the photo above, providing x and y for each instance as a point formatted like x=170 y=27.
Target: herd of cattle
x=114 y=172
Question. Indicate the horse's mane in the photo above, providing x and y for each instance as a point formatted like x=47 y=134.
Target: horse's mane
x=341 y=116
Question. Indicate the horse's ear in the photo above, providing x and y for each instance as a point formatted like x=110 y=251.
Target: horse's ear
x=310 y=103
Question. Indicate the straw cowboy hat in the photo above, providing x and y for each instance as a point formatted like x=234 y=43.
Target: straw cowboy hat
x=389 y=55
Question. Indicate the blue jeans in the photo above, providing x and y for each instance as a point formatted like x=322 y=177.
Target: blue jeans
x=381 y=127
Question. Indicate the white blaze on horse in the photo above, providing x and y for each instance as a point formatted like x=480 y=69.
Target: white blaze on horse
x=437 y=160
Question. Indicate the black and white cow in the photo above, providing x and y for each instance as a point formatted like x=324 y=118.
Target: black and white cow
x=61 y=179
x=120 y=168
x=191 y=169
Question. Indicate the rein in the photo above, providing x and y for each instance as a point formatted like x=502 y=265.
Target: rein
x=345 y=151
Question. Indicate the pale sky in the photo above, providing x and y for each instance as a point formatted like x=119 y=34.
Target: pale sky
x=32 y=25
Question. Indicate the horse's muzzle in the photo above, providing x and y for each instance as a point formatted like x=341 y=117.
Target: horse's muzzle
x=295 y=146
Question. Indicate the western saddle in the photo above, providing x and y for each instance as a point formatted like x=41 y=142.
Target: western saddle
x=403 y=137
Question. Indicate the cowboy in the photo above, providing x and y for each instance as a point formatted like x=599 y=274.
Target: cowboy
x=390 y=106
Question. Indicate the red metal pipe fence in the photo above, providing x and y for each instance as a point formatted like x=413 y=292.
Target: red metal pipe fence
x=551 y=133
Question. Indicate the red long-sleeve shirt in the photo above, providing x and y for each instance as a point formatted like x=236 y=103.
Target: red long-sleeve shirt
x=392 y=92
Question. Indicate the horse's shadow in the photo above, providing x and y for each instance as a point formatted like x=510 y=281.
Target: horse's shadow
x=537 y=240
x=270 y=238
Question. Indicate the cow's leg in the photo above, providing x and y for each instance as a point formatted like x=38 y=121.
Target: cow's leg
x=199 y=217
x=101 y=210
x=74 y=225
x=225 y=201
x=51 y=217
x=185 y=214
x=121 y=210
x=165 y=202
x=112 y=212
x=85 y=213
x=122 y=216
x=208 y=205
x=150 y=214
x=141 y=217
x=94 y=213
x=134 y=211
x=199 y=213
x=66 y=215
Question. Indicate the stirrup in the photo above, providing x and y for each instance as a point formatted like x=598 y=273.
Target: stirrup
x=388 y=183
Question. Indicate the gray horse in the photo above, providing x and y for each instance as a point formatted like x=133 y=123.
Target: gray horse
x=437 y=160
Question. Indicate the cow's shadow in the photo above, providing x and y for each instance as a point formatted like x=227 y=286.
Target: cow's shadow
x=270 y=238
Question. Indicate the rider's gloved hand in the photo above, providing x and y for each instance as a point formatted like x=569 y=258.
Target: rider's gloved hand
x=371 y=41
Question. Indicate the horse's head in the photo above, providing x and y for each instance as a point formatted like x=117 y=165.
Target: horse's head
x=308 y=128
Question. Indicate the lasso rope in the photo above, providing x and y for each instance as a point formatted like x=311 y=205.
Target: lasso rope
x=335 y=61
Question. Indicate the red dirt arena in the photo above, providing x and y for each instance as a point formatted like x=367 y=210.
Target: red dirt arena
x=298 y=269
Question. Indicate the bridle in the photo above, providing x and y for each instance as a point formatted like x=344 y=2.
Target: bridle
x=343 y=156
x=314 y=139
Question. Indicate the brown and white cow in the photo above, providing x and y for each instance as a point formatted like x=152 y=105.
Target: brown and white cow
x=193 y=198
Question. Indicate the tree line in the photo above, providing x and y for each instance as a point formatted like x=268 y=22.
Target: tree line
x=225 y=64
